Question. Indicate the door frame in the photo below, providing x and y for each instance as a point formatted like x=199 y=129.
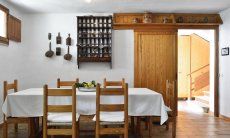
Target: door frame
x=216 y=62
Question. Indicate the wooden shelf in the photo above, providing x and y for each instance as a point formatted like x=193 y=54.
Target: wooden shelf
x=158 y=20
x=94 y=39
x=94 y=59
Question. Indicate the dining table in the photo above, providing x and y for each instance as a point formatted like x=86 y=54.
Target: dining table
x=141 y=102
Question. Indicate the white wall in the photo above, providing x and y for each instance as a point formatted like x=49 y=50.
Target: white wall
x=208 y=35
x=33 y=69
x=46 y=70
x=11 y=57
x=224 y=79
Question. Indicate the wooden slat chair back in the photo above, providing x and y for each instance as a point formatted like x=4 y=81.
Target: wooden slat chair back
x=170 y=102
x=170 y=94
x=7 y=87
x=59 y=109
x=66 y=83
x=12 y=120
x=120 y=129
x=114 y=83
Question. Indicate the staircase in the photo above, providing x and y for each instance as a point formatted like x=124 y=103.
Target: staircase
x=203 y=101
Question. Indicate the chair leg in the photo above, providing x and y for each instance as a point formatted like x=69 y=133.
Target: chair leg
x=5 y=130
x=167 y=125
x=78 y=125
x=16 y=127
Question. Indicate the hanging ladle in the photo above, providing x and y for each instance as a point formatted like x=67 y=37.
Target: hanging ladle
x=49 y=53
x=68 y=56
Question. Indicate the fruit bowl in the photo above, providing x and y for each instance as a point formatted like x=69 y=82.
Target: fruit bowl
x=86 y=86
x=83 y=89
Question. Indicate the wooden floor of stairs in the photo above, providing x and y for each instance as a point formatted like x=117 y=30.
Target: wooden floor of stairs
x=189 y=125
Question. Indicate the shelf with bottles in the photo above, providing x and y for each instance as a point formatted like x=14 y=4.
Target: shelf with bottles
x=94 y=38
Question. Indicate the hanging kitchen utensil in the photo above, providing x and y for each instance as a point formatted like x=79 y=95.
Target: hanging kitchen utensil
x=68 y=56
x=49 y=53
x=58 y=38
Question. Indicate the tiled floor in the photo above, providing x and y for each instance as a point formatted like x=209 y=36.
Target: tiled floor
x=191 y=123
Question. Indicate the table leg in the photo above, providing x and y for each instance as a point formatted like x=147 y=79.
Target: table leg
x=138 y=126
x=32 y=127
x=132 y=124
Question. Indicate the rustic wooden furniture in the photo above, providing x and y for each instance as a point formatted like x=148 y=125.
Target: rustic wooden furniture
x=114 y=83
x=122 y=128
x=162 y=20
x=13 y=120
x=5 y=39
x=155 y=59
x=65 y=83
x=94 y=40
x=53 y=114
x=14 y=27
x=124 y=21
x=170 y=103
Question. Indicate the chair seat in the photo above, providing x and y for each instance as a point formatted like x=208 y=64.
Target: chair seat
x=61 y=118
x=113 y=117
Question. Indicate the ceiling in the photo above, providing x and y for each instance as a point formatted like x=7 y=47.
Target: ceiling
x=114 y=6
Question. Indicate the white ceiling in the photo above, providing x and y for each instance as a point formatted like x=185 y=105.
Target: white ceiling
x=114 y=6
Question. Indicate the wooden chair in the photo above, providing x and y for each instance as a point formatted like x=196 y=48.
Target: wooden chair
x=170 y=103
x=65 y=83
x=105 y=112
x=114 y=83
x=55 y=117
x=13 y=120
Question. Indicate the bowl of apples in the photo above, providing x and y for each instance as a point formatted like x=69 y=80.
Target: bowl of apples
x=87 y=86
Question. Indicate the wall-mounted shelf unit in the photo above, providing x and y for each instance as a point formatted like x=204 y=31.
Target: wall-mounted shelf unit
x=172 y=20
x=94 y=39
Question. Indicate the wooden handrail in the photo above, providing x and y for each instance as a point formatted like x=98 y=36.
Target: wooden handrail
x=198 y=69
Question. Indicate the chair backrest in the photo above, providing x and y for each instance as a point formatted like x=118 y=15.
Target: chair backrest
x=114 y=83
x=59 y=109
x=9 y=86
x=123 y=92
x=170 y=94
x=65 y=83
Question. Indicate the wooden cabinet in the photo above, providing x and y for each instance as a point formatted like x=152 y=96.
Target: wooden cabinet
x=155 y=59
x=14 y=29
x=94 y=39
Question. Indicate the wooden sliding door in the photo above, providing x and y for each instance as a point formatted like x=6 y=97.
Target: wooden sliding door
x=155 y=59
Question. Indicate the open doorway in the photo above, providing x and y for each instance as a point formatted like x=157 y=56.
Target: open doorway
x=196 y=53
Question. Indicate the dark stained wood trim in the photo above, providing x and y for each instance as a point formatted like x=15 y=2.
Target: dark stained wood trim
x=216 y=68
x=216 y=76
x=4 y=40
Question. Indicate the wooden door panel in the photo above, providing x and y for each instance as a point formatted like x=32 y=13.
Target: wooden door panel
x=155 y=59
x=183 y=66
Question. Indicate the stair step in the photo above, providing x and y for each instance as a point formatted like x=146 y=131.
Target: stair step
x=206 y=93
x=202 y=99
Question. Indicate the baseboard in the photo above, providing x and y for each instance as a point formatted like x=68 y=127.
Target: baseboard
x=225 y=118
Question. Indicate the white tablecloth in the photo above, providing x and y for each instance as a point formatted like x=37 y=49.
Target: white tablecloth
x=29 y=103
